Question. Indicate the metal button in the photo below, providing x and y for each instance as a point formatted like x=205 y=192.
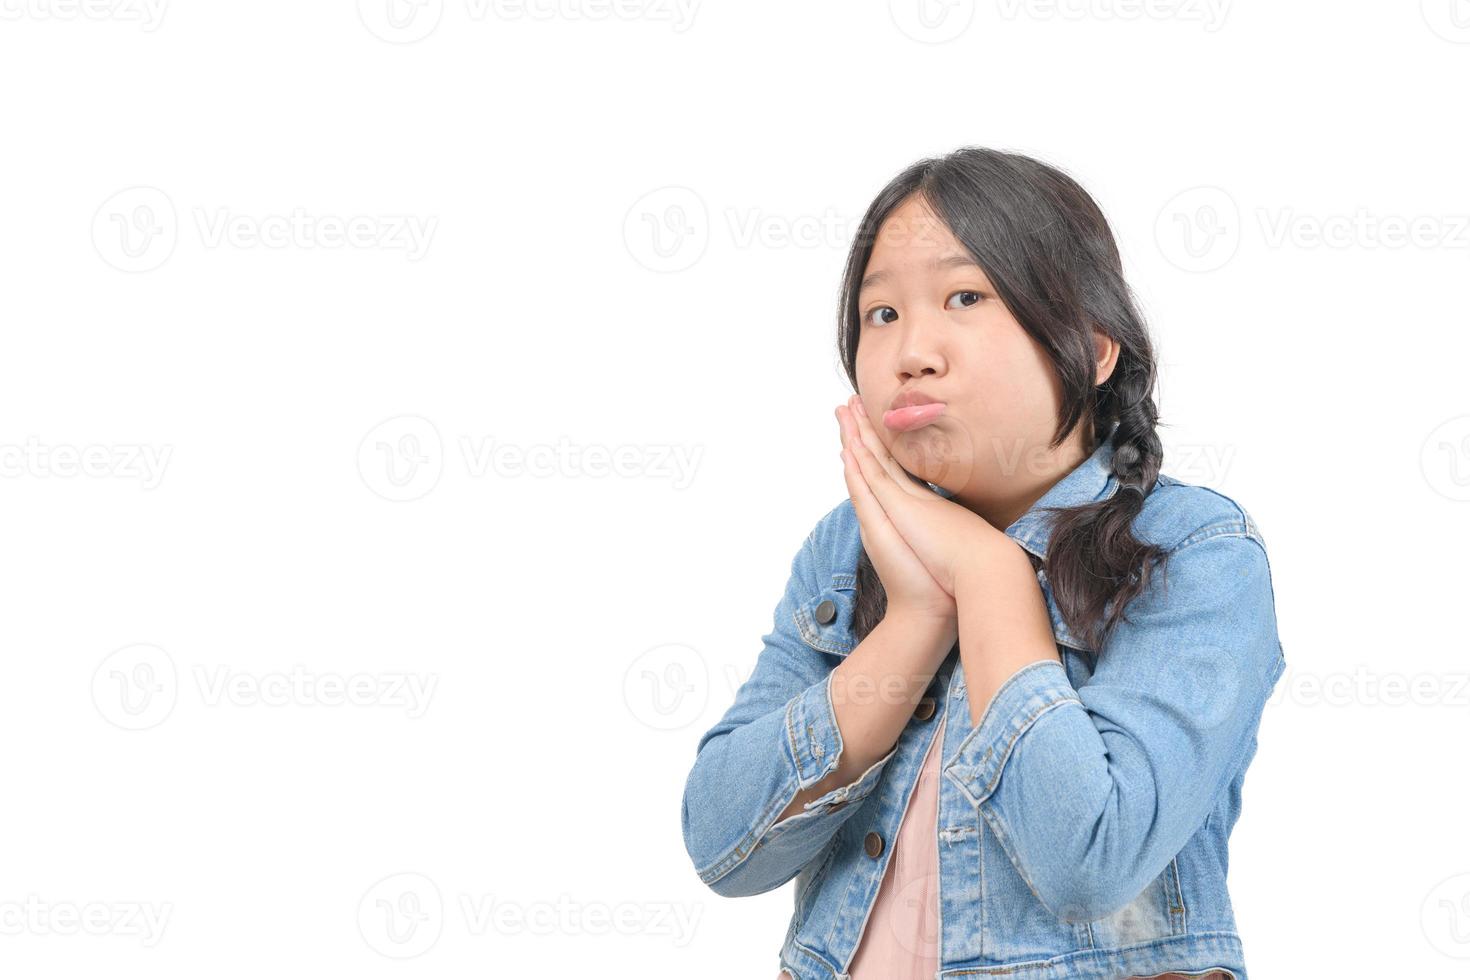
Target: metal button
x=873 y=844
x=826 y=611
x=925 y=710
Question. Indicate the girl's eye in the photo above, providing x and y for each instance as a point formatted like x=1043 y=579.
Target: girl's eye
x=975 y=297
x=868 y=317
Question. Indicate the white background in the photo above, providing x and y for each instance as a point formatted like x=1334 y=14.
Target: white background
x=334 y=499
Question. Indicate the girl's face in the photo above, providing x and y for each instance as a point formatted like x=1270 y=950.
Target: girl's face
x=930 y=323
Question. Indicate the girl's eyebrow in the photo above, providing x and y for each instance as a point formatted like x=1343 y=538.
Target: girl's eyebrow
x=942 y=262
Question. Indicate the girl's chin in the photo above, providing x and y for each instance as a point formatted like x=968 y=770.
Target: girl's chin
x=934 y=456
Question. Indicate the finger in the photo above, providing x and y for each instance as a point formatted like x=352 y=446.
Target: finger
x=870 y=438
x=880 y=481
x=871 y=456
x=895 y=503
x=879 y=533
x=900 y=506
x=871 y=516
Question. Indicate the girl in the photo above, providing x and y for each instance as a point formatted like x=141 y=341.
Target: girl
x=1002 y=720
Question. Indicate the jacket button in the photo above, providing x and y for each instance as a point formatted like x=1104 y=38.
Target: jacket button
x=826 y=611
x=873 y=844
x=925 y=710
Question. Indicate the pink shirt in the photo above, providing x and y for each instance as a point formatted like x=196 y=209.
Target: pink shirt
x=901 y=938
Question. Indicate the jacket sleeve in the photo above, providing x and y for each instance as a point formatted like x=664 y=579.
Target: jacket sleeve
x=1092 y=791
x=779 y=736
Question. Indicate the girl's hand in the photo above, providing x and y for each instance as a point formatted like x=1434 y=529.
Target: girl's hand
x=943 y=535
x=911 y=589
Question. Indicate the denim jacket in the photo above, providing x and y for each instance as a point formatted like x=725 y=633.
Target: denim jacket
x=1083 y=824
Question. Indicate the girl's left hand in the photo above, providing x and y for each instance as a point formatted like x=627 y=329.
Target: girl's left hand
x=945 y=535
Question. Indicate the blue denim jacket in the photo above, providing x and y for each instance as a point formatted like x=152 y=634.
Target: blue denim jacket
x=1083 y=824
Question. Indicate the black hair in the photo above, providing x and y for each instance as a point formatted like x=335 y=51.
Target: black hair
x=1046 y=247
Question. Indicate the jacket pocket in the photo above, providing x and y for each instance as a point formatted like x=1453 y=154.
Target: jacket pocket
x=824 y=619
x=1157 y=913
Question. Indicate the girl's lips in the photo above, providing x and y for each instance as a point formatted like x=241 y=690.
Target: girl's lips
x=912 y=417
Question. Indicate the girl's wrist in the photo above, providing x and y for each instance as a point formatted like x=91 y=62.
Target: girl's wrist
x=934 y=627
x=999 y=555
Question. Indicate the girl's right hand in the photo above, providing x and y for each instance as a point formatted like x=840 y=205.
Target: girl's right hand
x=911 y=590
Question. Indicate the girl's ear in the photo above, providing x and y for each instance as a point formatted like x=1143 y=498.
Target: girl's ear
x=1106 y=349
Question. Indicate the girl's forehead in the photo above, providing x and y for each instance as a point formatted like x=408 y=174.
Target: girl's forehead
x=913 y=223
x=914 y=242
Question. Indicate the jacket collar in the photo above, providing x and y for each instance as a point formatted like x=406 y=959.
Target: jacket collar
x=1091 y=480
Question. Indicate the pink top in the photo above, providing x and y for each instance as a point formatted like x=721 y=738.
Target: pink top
x=901 y=938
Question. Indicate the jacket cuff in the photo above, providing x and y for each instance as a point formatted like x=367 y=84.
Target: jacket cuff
x=854 y=792
x=812 y=732
x=1029 y=693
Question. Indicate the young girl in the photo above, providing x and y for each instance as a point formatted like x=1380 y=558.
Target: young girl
x=1002 y=720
